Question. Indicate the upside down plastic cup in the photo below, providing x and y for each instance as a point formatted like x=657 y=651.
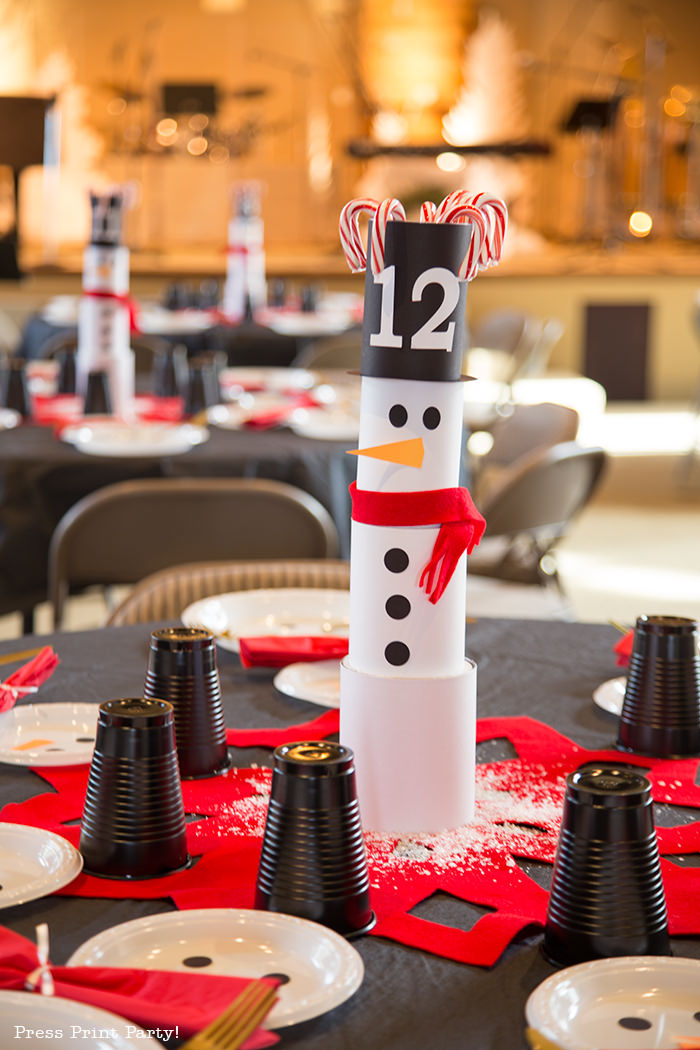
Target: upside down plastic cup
x=607 y=896
x=98 y=400
x=182 y=669
x=313 y=862
x=133 y=822
x=661 y=708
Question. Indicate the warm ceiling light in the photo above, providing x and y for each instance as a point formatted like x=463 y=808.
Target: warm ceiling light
x=673 y=107
x=116 y=106
x=166 y=127
x=681 y=93
x=640 y=223
x=197 y=146
x=450 y=162
x=198 y=121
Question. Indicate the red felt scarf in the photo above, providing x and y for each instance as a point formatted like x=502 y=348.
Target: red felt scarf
x=461 y=525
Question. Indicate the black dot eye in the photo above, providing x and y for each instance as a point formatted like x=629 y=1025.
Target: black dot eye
x=431 y=418
x=398 y=416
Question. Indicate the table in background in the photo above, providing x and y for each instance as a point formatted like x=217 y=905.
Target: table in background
x=42 y=477
x=410 y=1000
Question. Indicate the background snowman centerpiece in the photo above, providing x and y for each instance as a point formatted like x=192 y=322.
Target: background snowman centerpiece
x=407 y=693
x=106 y=311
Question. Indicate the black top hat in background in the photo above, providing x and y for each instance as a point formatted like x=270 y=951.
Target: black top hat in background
x=424 y=299
x=106 y=218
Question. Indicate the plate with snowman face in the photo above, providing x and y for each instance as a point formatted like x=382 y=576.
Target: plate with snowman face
x=610 y=695
x=317 y=968
x=632 y=1002
x=318 y=682
x=285 y=612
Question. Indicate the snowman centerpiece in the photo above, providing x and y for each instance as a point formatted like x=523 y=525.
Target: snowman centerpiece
x=408 y=693
x=105 y=310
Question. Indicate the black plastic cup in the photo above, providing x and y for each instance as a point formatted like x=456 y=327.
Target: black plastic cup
x=313 y=862
x=170 y=372
x=98 y=400
x=607 y=895
x=661 y=708
x=17 y=394
x=66 y=382
x=182 y=669
x=202 y=386
x=133 y=823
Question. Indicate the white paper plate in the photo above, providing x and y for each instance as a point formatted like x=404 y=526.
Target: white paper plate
x=323 y=969
x=317 y=681
x=285 y=611
x=233 y=380
x=71 y=1025
x=629 y=1003
x=611 y=694
x=107 y=437
x=325 y=424
x=48 y=734
x=33 y=863
x=8 y=418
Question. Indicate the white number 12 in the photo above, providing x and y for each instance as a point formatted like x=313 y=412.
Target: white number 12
x=427 y=337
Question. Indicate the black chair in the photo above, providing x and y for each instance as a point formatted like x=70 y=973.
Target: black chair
x=531 y=509
x=123 y=532
x=251 y=344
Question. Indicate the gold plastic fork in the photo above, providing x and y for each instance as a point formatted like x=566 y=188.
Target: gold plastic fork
x=239 y=1020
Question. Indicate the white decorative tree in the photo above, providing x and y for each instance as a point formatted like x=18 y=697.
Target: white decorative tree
x=491 y=105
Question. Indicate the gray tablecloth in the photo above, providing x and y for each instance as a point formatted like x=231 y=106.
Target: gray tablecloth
x=409 y=1000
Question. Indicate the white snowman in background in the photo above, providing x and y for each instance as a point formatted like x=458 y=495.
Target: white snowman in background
x=105 y=310
x=408 y=694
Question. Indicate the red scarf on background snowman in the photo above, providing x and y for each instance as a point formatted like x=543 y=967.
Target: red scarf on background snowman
x=461 y=525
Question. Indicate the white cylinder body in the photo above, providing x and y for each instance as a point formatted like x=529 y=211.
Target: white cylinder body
x=414 y=741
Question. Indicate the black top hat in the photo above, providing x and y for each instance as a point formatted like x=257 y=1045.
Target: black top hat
x=423 y=337
x=106 y=218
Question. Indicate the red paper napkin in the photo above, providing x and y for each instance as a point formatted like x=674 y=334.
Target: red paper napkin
x=150 y=998
x=273 y=417
x=623 y=649
x=275 y=651
x=27 y=678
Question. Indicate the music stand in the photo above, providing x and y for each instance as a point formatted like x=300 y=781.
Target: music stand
x=22 y=121
x=595 y=114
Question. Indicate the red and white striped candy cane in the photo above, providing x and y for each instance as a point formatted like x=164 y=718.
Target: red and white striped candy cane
x=494 y=214
x=389 y=209
x=497 y=214
x=349 y=228
x=427 y=211
x=456 y=207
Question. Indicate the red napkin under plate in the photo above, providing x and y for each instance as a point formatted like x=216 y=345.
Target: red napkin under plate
x=150 y=998
x=276 y=651
x=27 y=678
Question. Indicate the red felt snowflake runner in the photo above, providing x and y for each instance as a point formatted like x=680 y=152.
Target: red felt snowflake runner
x=518 y=809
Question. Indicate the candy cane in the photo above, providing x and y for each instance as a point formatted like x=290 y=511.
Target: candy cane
x=498 y=215
x=427 y=211
x=349 y=228
x=389 y=209
x=455 y=208
x=492 y=224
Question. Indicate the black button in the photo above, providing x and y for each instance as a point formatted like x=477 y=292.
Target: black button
x=398 y=606
x=397 y=653
x=396 y=560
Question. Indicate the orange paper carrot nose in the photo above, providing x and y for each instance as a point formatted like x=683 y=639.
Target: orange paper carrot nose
x=407 y=453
